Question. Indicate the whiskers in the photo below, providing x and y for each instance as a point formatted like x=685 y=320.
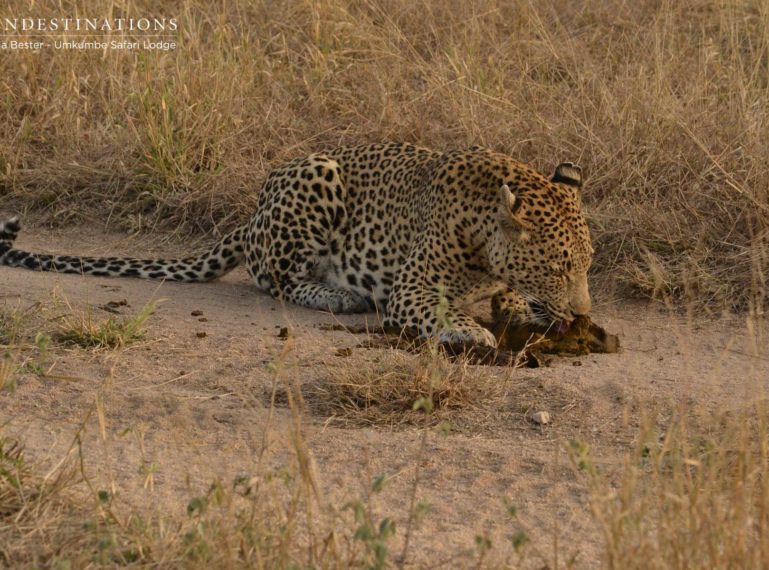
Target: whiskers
x=541 y=312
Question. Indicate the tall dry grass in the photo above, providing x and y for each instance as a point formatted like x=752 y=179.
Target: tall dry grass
x=688 y=496
x=663 y=103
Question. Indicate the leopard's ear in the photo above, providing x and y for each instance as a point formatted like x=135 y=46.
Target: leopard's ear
x=509 y=212
x=568 y=173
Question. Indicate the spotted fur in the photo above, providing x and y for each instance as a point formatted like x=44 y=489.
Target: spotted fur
x=418 y=233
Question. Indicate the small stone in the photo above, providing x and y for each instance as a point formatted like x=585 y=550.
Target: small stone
x=201 y=334
x=196 y=313
x=541 y=418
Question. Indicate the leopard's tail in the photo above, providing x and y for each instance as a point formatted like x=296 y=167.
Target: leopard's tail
x=221 y=259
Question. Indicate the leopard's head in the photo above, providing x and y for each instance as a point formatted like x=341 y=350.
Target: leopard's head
x=541 y=243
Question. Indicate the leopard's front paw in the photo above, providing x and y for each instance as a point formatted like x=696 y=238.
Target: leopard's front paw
x=349 y=302
x=510 y=308
x=471 y=337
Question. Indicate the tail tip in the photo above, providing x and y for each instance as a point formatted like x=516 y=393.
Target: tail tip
x=10 y=228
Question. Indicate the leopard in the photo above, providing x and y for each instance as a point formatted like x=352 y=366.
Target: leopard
x=415 y=234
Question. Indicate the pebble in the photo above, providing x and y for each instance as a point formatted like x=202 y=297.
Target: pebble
x=541 y=418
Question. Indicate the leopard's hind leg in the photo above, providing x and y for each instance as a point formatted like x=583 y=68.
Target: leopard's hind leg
x=298 y=232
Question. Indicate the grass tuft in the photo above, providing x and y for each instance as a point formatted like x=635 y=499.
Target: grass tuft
x=80 y=329
x=17 y=324
x=402 y=388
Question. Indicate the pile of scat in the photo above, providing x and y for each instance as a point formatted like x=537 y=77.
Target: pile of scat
x=518 y=345
x=581 y=337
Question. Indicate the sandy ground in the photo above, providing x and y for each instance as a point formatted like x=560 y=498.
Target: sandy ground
x=198 y=404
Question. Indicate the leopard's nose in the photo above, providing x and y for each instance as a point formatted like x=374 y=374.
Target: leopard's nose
x=582 y=307
x=579 y=297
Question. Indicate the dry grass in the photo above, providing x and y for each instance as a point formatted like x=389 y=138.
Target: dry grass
x=7 y=371
x=37 y=323
x=664 y=105
x=80 y=328
x=394 y=388
x=17 y=324
x=690 y=495
x=17 y=330
x=398 y=388
x=55 y=521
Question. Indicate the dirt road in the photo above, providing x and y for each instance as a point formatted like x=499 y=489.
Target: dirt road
x=190 y=403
